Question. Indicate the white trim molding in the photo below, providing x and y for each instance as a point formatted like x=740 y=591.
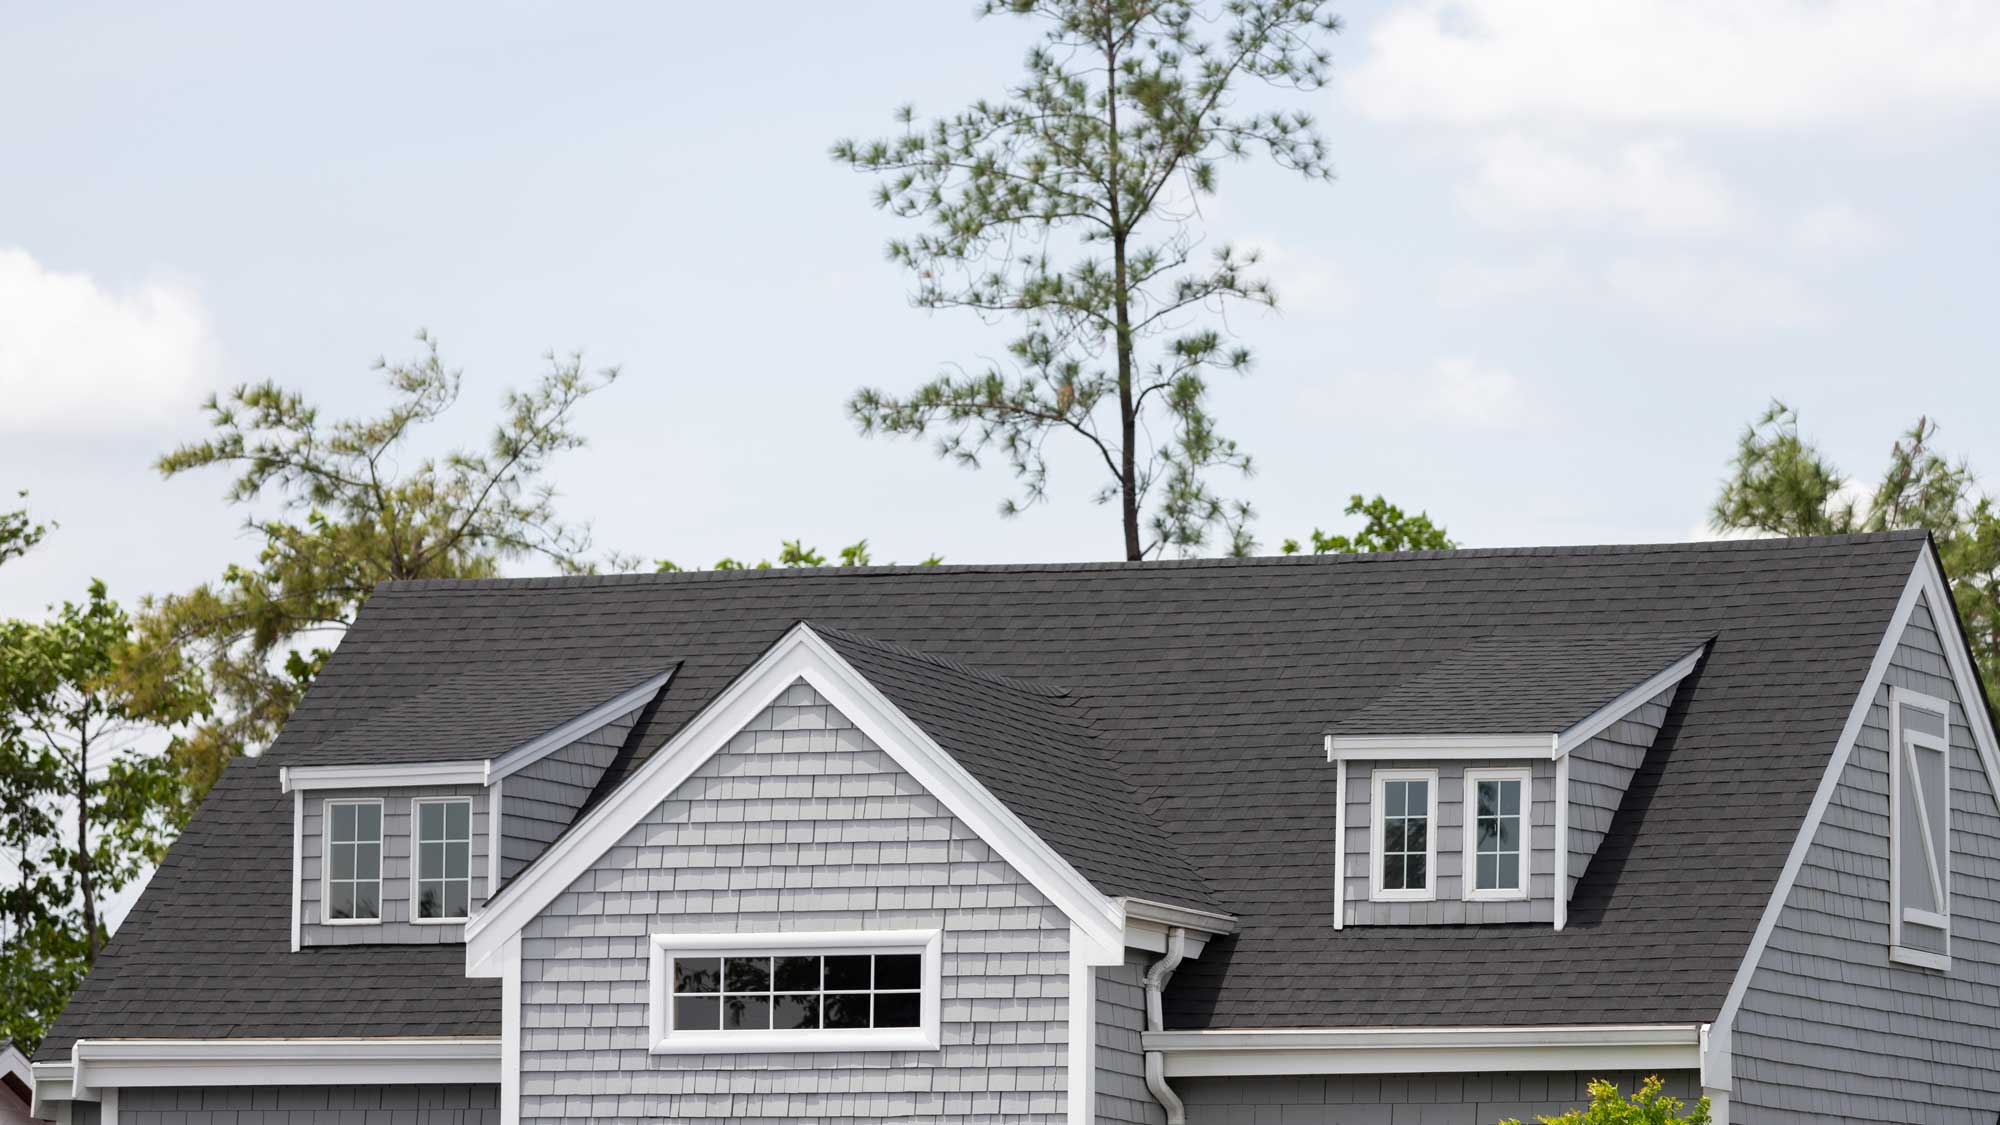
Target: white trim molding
x=1376 y=891
x=383 y=776
x=1080 y=1091
x=663 y=1038
x=800 y=655
x=101 y=1065
x=1904 y=748
x=1646 y=1048
x=1149 y=925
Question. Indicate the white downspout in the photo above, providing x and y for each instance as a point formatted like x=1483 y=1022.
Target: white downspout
x=1156 y=1062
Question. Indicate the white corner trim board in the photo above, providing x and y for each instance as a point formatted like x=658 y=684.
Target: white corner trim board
x=1926 y=582
x=1081 y=1096
x=1646 y=1048
x=106 y=1064
x=799 y=654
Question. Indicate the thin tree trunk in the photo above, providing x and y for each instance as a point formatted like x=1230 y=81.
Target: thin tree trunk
x=83 y=864
x=1128 y=421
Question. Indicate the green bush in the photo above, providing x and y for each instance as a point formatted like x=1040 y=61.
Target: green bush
x=1646 y=1107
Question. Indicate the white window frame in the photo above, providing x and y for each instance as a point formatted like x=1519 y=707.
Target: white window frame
x=1376 y=892
x=1469 y=879
x=417 y=859
x=326 y=806
x=665 y=1039
x=1905 y=745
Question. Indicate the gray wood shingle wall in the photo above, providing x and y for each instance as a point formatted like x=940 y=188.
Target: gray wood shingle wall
x=541 y=801
x=309 y=1105
x=1402 y=1099
x=1600 y=770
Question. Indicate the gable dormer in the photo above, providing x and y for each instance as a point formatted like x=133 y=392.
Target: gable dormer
x=1478 y=789
x=405 y=825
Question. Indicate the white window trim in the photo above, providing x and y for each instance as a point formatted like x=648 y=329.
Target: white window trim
x=1376 y=892
x=416 y=858
x=326 y=859
x=1468 y=880
x=1904 y=745
x=665 y=1040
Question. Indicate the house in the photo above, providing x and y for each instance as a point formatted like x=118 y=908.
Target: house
x=1428 y=837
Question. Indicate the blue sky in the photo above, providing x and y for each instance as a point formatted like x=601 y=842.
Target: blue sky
x=1571 y=249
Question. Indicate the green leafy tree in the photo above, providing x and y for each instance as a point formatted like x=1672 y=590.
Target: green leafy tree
x=85 y=810
x=1782 y=483
x=353 y=506
x=1070 y=206
x=1648 y=1105
x=18 y=534
x=794 y=553
x=1385 y=528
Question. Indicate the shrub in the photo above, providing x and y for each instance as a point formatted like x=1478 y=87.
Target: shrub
x=1648 y=1106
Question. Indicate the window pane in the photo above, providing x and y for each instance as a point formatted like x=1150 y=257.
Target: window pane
x=340 y=900
x=848 y=972
x=368 y=822
x=1414 y=874
x=1392 y=798
x=900 y=970
x=343 y=822
x=1392 y=872
x=430 y=821
x=457 y=861
x=846 y=1009
x=798 y=974
x=341 y=860
x=1489 y=798
x=1488 y=874
x=366 y=902
x=1510 y=871
x=458 y=820
x=746 y=1013
x=456 y=895
x=747 y=974
x=368 y=861
x=1510 y=834
x=698 y=974
x=896 y=1009
x=1487 y=835
x=1510 y=798
x=430 y=861
x=430 y=900
x=1417 y=834
x=793 y=1012
x=698 y=1013
x=1420 y=797
x=1392 y=836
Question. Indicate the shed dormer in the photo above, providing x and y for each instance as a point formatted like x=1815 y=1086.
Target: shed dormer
x=1478 y=789
x=405 y=824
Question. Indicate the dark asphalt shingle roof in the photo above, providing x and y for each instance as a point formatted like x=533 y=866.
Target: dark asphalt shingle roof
x=1526 y=681
x=1210 y=683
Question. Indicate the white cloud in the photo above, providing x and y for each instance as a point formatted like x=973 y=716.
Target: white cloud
x=1677 y=62
x=1726 y=295
x=1455 y=393
x=1471 y=284
x=1835 y=230
x=1304 y=282
x=76 y=355
x=1651 y=186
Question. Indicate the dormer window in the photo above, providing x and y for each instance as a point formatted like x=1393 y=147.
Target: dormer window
x=444 y=860
x=354 y=861
x=1497 y=840
x=1405 y=841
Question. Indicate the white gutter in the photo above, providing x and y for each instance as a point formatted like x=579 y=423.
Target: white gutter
x=109 y=1064
x=1594 y=1047
x=1156 y=983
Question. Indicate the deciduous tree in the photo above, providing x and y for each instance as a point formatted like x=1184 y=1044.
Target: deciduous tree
x=1385 y=527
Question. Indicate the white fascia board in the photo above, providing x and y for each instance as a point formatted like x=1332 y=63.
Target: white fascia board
x=1927 y=583
x=1439 y=747
x=1625 y=704
x=1646 y=1048
x=52 y=1084
x=385 y=776
x=108 y=1064
x=799 y=654
x=535 y=749
x=1167 y=914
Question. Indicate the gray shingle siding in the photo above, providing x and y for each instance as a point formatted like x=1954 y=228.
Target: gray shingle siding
x=1600 y=770
x=1450 y=908
x=309 y=1105
x=395 y=926
x=1830 y=1029
x=1122 y=1096
x=1402 y=1099
x=540 y=802
x=799 y=823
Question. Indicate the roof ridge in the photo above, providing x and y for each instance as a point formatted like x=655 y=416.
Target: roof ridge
x=1045 y=688
x=1251 y=562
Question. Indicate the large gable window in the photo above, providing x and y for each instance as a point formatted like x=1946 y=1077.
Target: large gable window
x=838 y=991
x=444 y=859
x=1496 y=834
x=1405 y=838
x=353 y=890
x=1920 y=830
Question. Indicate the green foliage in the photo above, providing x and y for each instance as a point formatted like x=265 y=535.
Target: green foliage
x=1386 y=528
x=793 y=553
x=82 y=811
x=1070 y=207
x=1782 y=483
x=17 y=535
x=353 y=508
x=1647 y=1106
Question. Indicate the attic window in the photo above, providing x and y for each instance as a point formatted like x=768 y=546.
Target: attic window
x=353 y=861
x=1496 y=837
x=1920 y=830
x=1405 y=843
x=841 y=991
x=444 y=859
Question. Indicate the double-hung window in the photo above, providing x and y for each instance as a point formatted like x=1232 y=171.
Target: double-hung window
x=443 y=890
x=1405 y=836
x=1920 y=830
x=353 y=888
x=1496 y=837
x=835 y=991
